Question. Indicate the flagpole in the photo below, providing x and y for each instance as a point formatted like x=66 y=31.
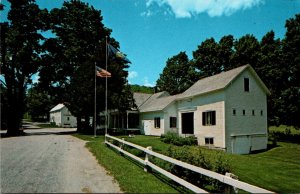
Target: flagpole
x=106 y=87
x=95 y=98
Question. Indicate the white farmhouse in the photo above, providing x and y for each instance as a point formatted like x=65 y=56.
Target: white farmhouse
x=226 y=111
x=62 y=117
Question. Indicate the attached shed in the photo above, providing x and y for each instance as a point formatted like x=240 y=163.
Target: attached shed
x=62 y=117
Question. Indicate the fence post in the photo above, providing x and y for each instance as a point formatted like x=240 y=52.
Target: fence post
x=147 y=168
x=122 y=146
x=229 y=188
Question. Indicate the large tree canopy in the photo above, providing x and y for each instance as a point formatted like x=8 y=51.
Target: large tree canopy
x=177 y=76
x=65 y=61
x=20 y=52
x=68 y=70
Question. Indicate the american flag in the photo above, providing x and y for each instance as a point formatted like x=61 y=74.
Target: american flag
x=102 y=72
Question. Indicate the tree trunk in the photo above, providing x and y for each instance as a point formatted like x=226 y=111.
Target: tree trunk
x=79 y=124
x=86 y=122
x=16 y=109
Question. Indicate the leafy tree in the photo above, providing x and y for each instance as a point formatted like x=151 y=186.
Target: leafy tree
x=141 y=89
x=39 y=103
x=271 y=70
x=246 y=51
x=206 y=58
x=20 y=46
x=225 y=52
x=69 y=66
x=291 y=94
x=177 y=76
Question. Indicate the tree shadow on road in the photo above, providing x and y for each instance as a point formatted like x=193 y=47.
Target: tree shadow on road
x=39 y=133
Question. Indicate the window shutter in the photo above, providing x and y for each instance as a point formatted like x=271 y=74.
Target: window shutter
x=203 y=118
x=213 y=120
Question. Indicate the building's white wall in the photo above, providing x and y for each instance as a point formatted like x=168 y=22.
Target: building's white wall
x=212 y=101
x=245 y=133
x=147 y=123
x=60 y=117
x=56 y=117
x=170 y=111
x=68 y=120
x=215 y=131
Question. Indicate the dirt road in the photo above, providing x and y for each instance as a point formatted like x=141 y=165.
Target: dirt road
x=51 y=160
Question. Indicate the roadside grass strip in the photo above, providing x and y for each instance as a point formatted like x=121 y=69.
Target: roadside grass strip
x=128 y=173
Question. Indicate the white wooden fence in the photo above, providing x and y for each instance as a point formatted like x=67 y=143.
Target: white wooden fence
x=222 y=178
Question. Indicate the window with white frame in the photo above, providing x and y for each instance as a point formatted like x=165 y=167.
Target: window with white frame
x=209 y=118
x=209 y=141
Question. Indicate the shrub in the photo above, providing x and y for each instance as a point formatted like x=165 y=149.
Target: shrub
x=207 y=159
x=175 y=139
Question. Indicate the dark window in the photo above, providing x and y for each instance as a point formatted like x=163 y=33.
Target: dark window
x=244 y=112
x=233 y=112
x=173 y=122
x=133 y=120
x=157 y=122
x=209 y=141
x=209 y=118
x=253 y=113
x=261 y=113
x=246 y=84
x=68 y=118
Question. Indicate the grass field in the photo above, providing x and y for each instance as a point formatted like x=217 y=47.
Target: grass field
x=277 y=169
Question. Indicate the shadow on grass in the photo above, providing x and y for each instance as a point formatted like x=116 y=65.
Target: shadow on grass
x=286 y=136
x=159 y=176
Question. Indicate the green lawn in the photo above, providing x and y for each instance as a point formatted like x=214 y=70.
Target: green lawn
x=129 y=174
x=277 y=169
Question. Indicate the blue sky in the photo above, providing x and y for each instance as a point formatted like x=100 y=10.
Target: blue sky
x=151 y=31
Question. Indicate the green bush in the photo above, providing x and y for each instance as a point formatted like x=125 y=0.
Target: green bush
x=175 y=139
x=207 y=159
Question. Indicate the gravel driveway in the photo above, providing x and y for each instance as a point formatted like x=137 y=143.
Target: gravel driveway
x=51 y=160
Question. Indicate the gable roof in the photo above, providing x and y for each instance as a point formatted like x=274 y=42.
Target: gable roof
x=219 y=81
x=157 y=102
x=161 y=100
x=57 y=107
x=140 y=98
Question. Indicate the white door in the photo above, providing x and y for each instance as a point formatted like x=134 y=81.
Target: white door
x=147 y=127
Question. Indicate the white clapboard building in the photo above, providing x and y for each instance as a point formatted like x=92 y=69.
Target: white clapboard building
x=226 y=111
x=61 y=116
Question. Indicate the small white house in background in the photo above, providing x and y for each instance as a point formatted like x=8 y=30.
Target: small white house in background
x=226 y=111
x=62 y=117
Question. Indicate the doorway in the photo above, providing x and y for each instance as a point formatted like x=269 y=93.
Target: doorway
x=187 y=123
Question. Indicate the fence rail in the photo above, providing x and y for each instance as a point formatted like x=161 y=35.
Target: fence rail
x=222 y=178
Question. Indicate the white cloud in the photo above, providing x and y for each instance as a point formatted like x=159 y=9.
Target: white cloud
x=132 y=74
x=188 y=8
x=147 y=83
